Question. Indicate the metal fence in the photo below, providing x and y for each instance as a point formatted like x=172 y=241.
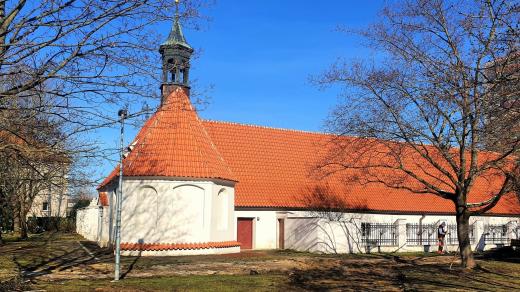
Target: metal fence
x=496 y=234
x=417 y=234
x=426 y=234
x=378 y=234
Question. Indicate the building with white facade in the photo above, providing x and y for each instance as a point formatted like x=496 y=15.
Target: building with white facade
x=193 y=186
x=50 y=204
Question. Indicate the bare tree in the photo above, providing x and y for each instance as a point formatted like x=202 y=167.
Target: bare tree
x=418 y=116
x=84 y=56
x=34 y=161
x=64 y=66
x=324 y=203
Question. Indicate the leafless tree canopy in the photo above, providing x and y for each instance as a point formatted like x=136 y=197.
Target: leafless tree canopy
x=84 y=54
x=64 y=66
x=443 y=86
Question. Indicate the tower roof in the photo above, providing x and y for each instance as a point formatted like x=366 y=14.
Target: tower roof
x=176 y=37
x=174 y=143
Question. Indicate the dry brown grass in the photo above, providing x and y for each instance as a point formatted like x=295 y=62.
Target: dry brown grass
x=57 y=262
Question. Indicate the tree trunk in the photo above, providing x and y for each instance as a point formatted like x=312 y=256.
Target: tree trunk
x=466 y=254
x=1 y=225
x=16 y=221
x=2 y=220
x=23 y=225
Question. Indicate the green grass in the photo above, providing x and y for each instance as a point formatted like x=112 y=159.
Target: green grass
x=8 y=268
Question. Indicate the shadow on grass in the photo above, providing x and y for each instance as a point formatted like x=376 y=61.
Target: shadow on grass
x=504 y=254
x=34 y=259
x=410 y=274
x=131 y=266
x=498 y=270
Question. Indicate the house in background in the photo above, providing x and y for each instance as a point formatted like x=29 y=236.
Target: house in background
x=36 y=174
x=55 y=204
x=53 y=199
x=194 y=186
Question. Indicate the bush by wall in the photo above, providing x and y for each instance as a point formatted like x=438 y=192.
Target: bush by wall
x=41 y=224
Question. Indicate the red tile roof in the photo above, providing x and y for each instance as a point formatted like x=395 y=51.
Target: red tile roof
x=103 y=198
x=174 y=143
x=177 y=246
x=276 y=168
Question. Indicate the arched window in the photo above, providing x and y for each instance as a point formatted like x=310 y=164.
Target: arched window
x=145 y=212
x=181 y=76
x=171 y=69
x=222 y=209
x=181 y=214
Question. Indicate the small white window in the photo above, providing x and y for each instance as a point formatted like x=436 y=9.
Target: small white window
x=45 y=206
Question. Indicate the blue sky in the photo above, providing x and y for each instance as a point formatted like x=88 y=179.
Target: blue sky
x=258 y=55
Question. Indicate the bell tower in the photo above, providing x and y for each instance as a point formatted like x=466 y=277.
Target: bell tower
x=175 y=53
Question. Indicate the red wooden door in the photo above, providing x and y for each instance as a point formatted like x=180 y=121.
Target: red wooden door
x=245 y=232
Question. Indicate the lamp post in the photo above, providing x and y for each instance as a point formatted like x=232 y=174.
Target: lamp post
x=122 y=115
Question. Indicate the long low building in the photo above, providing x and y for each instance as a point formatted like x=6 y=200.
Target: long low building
x=192 y=186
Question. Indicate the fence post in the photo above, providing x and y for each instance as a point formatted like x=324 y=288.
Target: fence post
x=511 y=231
x=479 y=231
x=401 y=233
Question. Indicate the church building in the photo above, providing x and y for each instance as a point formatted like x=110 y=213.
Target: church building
x=194 y=186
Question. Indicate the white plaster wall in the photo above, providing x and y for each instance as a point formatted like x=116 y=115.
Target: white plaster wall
x=104 y=226
x=306 y=232
x=222 y=214
x=87 y=222
x=264 y=228
x=173 y=211
x=57 y=205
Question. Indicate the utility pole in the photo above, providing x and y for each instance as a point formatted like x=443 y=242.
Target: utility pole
x=122 y=115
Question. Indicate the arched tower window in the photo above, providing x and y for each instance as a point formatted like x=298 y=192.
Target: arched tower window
x=222 y=209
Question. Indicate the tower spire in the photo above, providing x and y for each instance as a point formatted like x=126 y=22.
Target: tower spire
x=176 y=54
x=176 y=36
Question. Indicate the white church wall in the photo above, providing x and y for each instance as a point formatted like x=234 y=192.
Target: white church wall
x=165 y=211
x=302 y=234
x=173 y=211
x=104 y=226
x=222 y=214
x=264 y=228
x=341 y=232
x=170 y=211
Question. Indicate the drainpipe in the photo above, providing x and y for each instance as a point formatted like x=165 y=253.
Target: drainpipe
x=420 y=228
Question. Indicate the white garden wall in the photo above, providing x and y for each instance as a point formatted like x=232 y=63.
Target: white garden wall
x=343 y=234
x=87 y=222
x=94 y=223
